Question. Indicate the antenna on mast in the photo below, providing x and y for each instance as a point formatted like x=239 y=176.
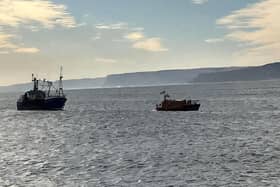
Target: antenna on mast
x=60 y=91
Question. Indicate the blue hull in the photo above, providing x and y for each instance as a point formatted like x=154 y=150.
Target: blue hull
x=50 y=103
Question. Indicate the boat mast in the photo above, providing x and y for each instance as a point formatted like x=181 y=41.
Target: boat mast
x=35 y=82
x=49 y=87
x=60 y=89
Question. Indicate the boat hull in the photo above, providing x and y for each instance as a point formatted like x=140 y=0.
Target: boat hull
x=193 y=107
x=52 y=103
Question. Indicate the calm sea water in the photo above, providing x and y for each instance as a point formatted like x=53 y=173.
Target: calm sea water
x=114 y=137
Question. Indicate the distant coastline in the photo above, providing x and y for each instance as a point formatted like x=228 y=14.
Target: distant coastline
x=265 y=72
x=168 y=77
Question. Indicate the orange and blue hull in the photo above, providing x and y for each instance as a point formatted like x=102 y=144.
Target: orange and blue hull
x=190 y=107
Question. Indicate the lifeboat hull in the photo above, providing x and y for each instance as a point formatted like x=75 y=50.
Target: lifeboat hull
x=193 y=107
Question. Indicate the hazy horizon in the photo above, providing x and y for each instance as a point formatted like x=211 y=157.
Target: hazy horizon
x=98 y=38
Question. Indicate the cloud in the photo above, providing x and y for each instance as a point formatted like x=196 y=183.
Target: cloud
x=105 y=60
x=214 y=40
x=5 y=41
x=9 y=46
x=30 y=14
x=100 y=26
x=199 y=2
x=134 y=36
x=258 y=27
x=44 y=12
x=4 y=52
x=116 y=26
x=150 y=44
x=96 y=37
x=138 y=29
x=82 y=24
x=27 y=50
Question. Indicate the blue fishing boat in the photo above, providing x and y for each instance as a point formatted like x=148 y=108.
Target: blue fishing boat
x=47 y=97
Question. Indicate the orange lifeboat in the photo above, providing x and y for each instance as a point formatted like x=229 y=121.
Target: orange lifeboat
x=177 y=105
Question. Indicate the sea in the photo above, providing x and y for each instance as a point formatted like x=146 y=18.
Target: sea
x=114 y=137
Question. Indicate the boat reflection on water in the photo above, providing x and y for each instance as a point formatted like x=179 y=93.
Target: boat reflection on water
x=177 y=105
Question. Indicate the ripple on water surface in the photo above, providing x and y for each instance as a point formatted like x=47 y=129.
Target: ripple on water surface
x=113 y=137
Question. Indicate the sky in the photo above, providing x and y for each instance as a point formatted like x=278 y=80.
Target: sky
x=94 y=38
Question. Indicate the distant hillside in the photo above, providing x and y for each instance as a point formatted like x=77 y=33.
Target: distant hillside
x=84 y=83
x=165 y=77
x=266 y=72
x=158 y=77
x=68 y=84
